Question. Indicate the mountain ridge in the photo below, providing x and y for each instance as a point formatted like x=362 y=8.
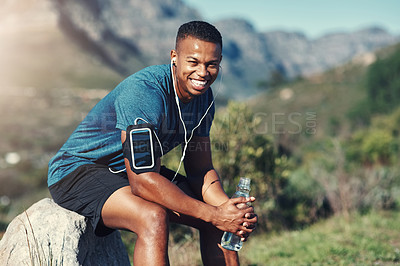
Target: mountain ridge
x=249 y=56
x=127 y=35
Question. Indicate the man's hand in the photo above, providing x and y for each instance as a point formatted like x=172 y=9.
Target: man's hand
x=229 y=218
x=251 y=225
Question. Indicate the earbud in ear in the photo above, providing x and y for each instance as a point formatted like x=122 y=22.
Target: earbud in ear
x=174 y=62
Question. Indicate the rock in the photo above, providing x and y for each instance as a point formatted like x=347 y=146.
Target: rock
x=47 y=234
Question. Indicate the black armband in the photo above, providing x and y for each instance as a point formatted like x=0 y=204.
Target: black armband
x=142 y=148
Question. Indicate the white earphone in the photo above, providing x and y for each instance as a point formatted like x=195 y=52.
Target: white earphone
x=173 y=61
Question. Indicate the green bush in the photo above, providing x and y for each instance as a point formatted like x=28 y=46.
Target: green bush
x=383 y=83
x=241 y=150
x=303 y=201
x=377 y=144
x=371 y=147
x=351 y=185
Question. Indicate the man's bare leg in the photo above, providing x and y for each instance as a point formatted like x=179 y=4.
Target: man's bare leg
x=148 y=220
x=210 y=237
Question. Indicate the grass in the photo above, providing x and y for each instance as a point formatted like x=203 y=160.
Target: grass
x=371 y=239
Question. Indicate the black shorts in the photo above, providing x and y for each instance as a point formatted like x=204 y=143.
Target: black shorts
x=86 y=189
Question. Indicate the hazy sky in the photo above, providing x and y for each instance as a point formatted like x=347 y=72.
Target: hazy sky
x=313 y=17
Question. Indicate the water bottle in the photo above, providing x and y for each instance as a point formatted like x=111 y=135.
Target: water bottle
x=229 y=240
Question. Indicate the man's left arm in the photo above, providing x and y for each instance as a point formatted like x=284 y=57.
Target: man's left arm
x=204 y=179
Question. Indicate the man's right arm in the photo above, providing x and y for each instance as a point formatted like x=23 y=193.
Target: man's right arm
x=153 y=187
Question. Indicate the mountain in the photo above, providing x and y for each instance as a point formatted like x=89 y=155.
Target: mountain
x=126 y=35
x=124 y=31
x=34 y=52
x=299 y=55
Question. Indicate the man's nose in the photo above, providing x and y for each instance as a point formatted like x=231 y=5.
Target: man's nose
x=202 y=70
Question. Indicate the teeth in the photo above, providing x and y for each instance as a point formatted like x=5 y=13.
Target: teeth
x=199 y=83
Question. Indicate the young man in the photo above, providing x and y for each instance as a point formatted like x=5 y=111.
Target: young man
x=144 y=117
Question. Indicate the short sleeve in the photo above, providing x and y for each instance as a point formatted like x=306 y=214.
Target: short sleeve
x=141 y=102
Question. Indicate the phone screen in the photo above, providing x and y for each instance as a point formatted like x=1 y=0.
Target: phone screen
x=142 y=148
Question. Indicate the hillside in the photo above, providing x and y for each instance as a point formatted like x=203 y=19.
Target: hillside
x=35 y=53
x=313 y=107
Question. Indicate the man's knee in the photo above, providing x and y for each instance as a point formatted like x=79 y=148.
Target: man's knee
x=156 y=221
x=158 y=216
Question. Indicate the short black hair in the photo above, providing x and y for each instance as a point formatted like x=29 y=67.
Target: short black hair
x=200 y=30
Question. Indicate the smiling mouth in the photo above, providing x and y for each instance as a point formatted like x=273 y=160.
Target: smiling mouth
x=198 y=84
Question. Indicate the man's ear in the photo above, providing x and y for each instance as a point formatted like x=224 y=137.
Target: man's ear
x=173 y=57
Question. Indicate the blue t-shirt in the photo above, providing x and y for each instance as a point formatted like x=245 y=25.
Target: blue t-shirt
x=147 y=95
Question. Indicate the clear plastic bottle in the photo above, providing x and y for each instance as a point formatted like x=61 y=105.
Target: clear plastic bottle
x=229 y=240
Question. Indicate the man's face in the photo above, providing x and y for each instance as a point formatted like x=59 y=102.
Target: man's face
x=197 y=66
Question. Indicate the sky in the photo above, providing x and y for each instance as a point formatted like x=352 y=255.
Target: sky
x=312 y=17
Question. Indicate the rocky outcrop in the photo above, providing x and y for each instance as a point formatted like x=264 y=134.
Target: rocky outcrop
x=299 y=55
x=47 y=234
x=125 y=34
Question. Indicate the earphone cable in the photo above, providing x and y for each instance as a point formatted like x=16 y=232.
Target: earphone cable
x=183 y=123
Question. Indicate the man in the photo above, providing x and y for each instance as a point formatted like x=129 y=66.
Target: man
x=144 y=117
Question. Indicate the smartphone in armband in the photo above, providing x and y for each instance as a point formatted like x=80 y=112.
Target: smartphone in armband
x=142 y=149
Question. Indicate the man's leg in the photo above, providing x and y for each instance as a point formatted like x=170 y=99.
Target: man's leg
x=148 y=220
x=210 y=237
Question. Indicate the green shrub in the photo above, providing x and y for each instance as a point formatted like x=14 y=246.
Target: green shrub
x=383 y=83
x=377 y=144
x=371 y=147
x=303 y=201
x=240 y=149
x=350 y=186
